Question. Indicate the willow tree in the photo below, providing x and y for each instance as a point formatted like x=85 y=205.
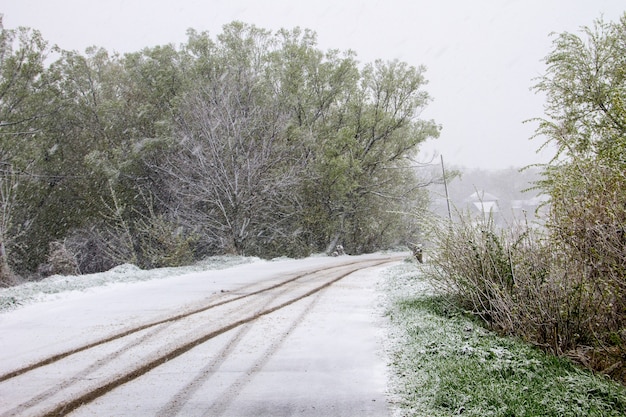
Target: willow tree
x=363 y=163
x=359 y=127
x=316 y=89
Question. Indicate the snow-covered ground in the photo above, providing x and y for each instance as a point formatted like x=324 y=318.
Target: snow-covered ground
x=48 y=288
x=58 y=313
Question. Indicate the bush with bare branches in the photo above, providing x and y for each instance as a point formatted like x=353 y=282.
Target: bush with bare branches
x=61 y=261
x=527 y=282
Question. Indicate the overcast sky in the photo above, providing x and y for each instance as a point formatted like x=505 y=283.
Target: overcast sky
x=481 y=55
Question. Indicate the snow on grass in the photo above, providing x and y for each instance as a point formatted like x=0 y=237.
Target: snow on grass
x=444 y=363
x=29 y=292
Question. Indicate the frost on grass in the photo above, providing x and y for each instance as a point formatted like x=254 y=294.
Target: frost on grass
x=443 y=363
x=13 y=297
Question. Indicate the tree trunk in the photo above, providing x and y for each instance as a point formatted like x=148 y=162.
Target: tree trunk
x=333 y=243
x=6 y=276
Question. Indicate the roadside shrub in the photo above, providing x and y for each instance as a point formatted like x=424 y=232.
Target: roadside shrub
x=585 y=122
x=7 y=278
x=495 y=272
x=60 y=261
x=522 y=281
x=588 y=225
x=91 y=249
x=564 y=288
x=161 y=243
x=444 y=364
x=147 y=242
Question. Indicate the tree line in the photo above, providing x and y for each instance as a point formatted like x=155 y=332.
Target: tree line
x=250 y=142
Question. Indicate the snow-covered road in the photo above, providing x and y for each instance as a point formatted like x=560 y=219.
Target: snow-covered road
x=280 y=338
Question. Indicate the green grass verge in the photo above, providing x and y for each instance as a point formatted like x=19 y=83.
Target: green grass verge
x=446 y=364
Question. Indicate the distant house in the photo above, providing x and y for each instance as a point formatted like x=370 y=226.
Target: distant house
x=530 y=205
x=483 y=201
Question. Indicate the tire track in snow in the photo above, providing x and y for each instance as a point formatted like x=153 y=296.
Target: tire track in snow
x=105 y=360
x=234 y=390
x=76 y=402
x=158 y=358
x=82 y=374
x=61 y=355
x=177 y=403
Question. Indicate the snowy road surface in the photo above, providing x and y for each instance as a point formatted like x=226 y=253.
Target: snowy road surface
x=280 y=338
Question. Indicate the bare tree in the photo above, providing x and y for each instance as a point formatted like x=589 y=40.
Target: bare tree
x=234 y=175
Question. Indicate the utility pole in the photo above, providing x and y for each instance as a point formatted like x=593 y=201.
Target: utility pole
x=445 y=185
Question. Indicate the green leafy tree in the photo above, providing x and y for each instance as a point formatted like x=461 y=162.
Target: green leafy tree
x=24 y=98
x=64 y=188
x=359 y=129
x=23 y=89
x=365 y=163
x=316 y=88
x=585 y=86
x=154 y=80
x=133 y=101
